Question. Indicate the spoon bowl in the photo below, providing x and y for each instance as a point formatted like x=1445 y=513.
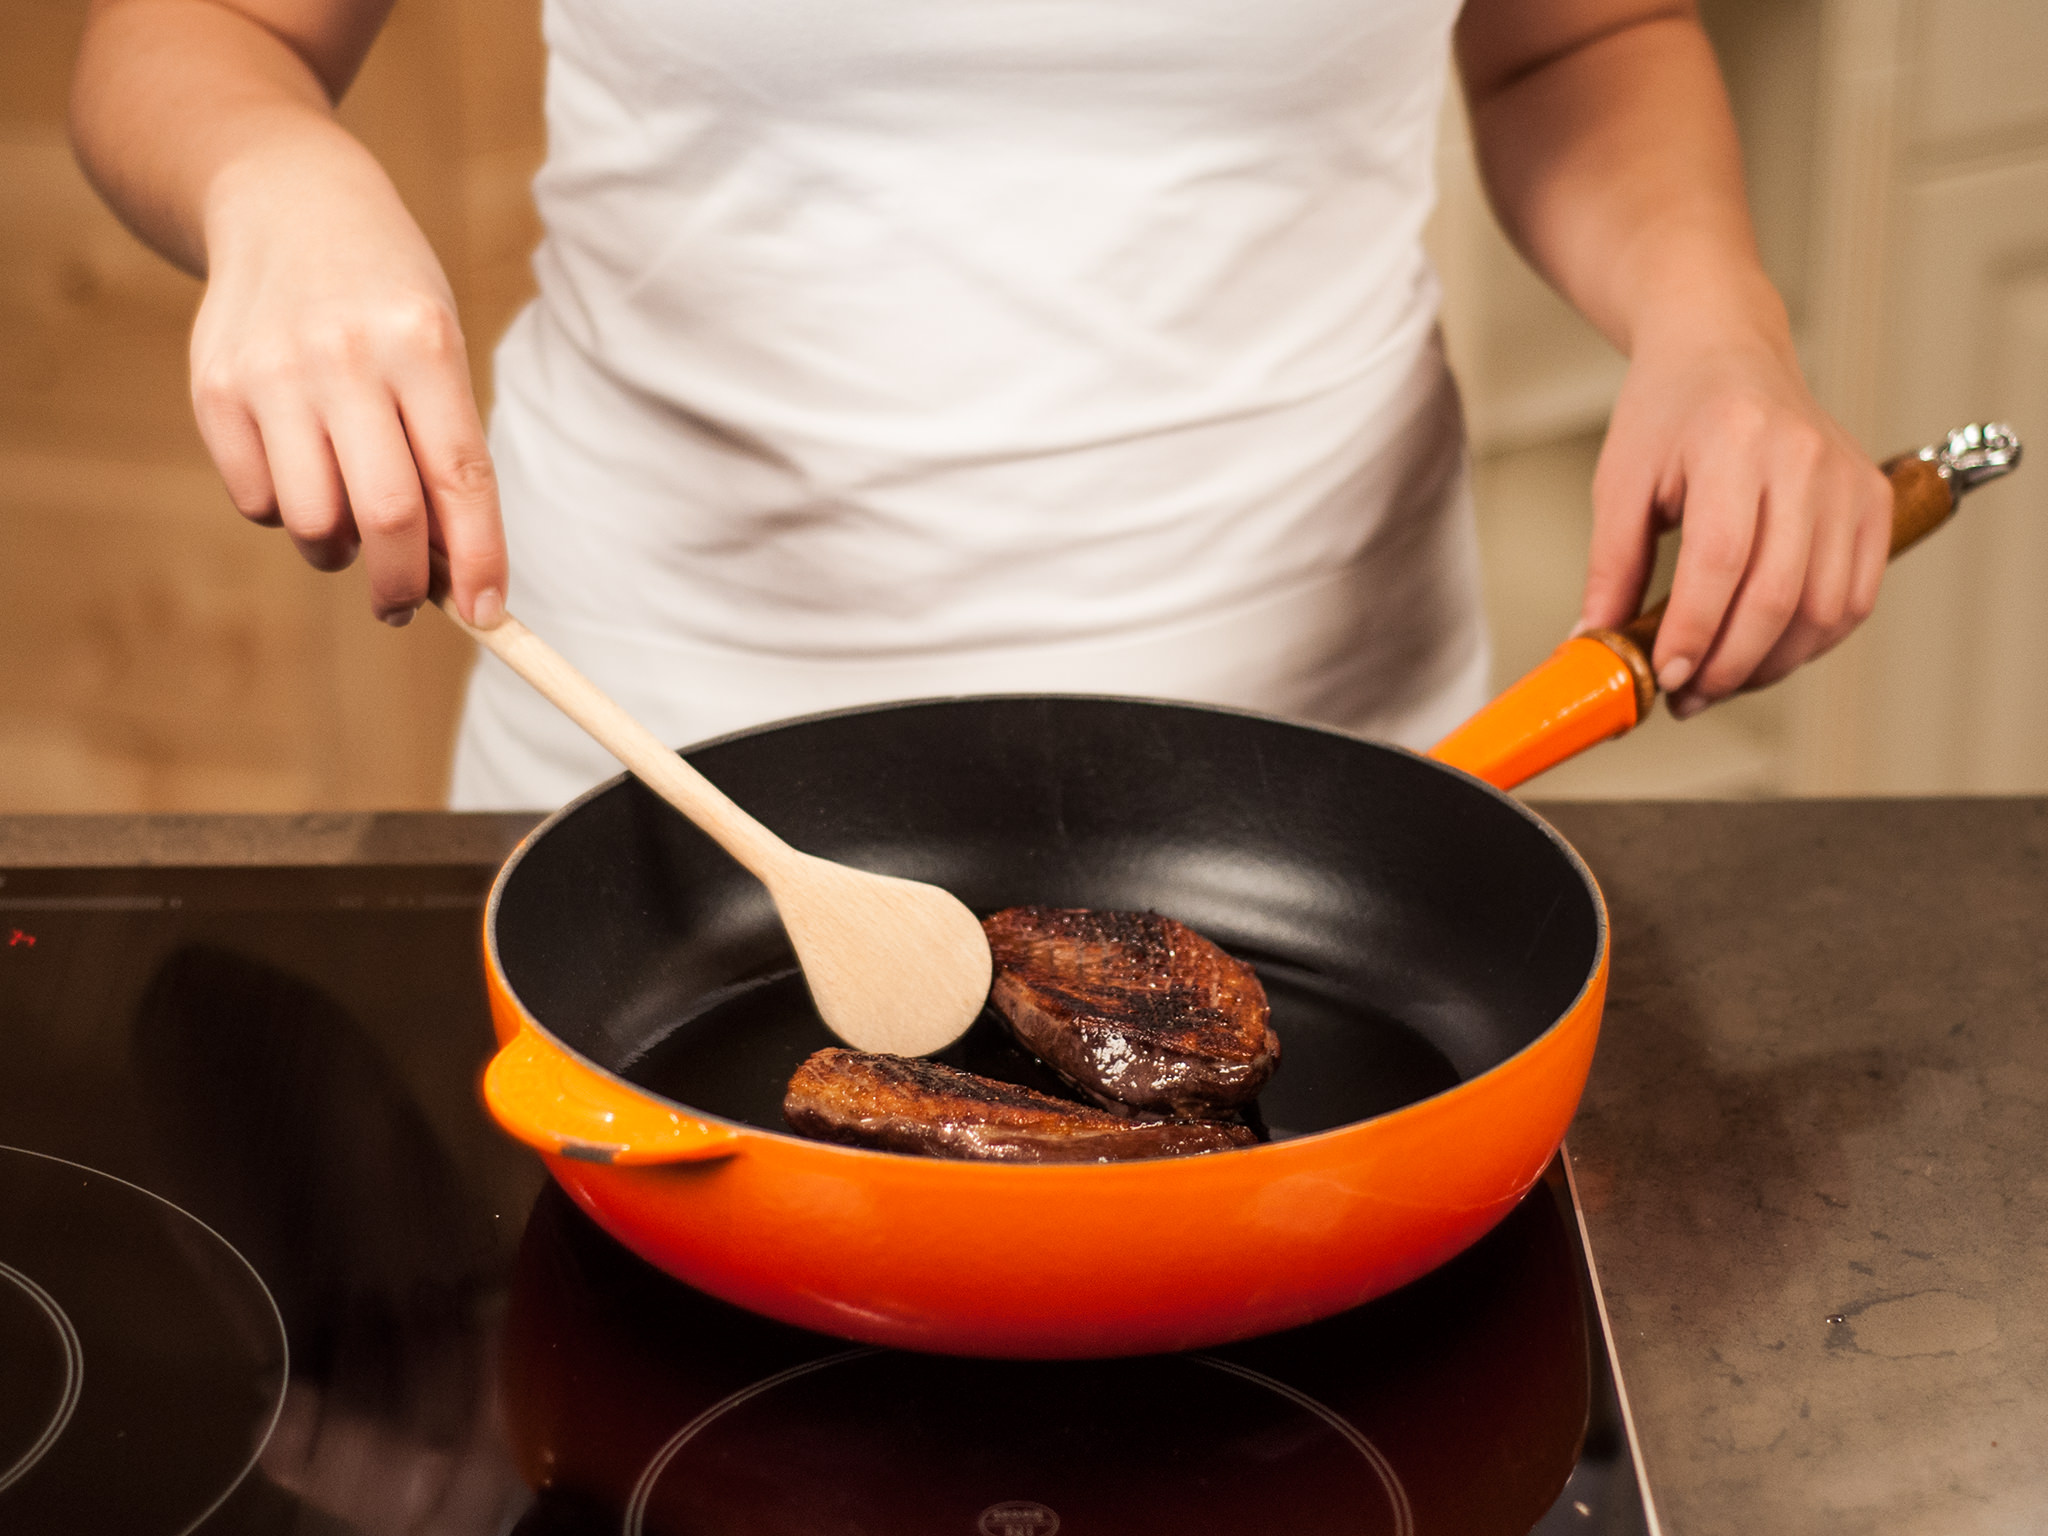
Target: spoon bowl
x=893 y=965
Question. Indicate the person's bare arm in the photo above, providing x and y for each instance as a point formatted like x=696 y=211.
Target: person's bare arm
x=328 y=371
x=1608 y=149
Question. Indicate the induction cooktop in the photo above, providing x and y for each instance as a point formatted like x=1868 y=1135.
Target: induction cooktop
x=266 y=1266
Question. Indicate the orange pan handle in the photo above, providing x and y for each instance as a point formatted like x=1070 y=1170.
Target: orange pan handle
x=1599 y=685
x=551 y=1101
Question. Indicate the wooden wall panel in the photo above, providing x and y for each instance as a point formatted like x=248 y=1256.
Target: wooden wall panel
x=1955 y=656
x=92 y=325
x=1980 y=75
x=155 y=647
x=2007 y=734
x=36 y=48
x=160 y=654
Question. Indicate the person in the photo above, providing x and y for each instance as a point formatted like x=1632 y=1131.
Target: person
x=917 y=347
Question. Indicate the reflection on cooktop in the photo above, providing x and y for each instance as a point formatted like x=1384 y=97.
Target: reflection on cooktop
x=145 y=1359
x=289 y=1056
x=1459 y=1404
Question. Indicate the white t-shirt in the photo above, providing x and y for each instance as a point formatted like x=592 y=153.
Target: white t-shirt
x=891 y=348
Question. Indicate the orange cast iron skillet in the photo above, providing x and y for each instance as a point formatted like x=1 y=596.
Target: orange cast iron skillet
x=1436 y=956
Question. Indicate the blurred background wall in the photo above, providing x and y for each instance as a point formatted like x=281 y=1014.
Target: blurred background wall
x=160 y=655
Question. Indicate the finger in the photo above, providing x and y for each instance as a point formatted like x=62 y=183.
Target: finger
x=1822 y=618
x=1873 y=543
x=311 y=501
x=236 y=447
x=1624 y=546
x=1722 y=506
x=1766 y=600
x=461 y=487
x=384 y=495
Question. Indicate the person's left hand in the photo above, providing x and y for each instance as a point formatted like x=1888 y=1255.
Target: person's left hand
x=1785 y=522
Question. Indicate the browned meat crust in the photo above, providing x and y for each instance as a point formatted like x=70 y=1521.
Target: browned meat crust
x=903 y=1104
x=1137 y=1011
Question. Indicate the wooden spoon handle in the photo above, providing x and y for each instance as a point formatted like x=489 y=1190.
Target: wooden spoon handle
x=654 y=764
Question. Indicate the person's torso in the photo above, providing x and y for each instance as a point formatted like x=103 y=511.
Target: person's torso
x=908 y=323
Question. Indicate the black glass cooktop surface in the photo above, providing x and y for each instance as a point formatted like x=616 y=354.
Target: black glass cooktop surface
x=266 y=1266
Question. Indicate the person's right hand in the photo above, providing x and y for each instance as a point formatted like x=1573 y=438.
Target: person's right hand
x=331 y=383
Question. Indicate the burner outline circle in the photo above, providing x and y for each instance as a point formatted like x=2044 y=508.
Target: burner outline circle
x=284 y=1346
x=74 y=1374
x=1390 y=1480
x=643 y=1490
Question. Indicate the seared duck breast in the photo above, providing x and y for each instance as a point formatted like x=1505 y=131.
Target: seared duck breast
x=1137 y=1011
x=904 y=1104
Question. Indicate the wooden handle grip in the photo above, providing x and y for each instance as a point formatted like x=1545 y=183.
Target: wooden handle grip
x=1921 y=503
x=1921 y=500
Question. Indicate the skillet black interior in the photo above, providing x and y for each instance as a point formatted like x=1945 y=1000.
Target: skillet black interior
x=1412 y=926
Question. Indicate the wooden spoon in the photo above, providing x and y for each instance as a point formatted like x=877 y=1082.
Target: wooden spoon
x=893 y=965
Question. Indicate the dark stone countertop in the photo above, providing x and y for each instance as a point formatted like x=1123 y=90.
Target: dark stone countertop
x=1813 y=1153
